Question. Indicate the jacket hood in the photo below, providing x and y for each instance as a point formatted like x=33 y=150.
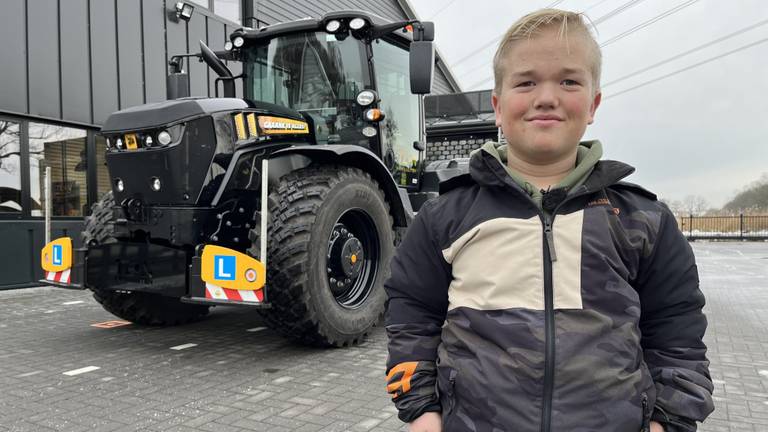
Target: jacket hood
x=487 y=167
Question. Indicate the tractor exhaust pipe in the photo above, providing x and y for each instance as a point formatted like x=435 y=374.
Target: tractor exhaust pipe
x=218 y=66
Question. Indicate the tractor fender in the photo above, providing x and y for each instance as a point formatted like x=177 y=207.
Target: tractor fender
x=296 y=157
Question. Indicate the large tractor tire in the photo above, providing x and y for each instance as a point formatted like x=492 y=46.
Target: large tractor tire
x=137 y=307
x=329 y=248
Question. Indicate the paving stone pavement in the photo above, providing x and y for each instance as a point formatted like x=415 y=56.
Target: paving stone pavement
x=229 y=373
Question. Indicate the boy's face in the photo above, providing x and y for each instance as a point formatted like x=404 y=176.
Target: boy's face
x=547 y=96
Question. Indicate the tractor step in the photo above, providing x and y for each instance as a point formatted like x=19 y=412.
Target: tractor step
x=216 y=302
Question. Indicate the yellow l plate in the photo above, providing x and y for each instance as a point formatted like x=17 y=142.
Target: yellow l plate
x=231 y=269
x=56 y=256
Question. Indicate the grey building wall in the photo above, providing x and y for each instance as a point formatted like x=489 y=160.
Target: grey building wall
x=77 y=61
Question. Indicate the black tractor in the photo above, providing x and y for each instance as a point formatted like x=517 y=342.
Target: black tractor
x=290 y=200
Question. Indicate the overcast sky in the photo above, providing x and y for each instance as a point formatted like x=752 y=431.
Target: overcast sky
x=702 y=131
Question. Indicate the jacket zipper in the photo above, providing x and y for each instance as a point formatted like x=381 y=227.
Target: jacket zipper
x=550 y=256
x=549 y=326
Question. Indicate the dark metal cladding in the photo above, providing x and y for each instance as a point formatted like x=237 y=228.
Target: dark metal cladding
x=181 y=168
x=142 y=267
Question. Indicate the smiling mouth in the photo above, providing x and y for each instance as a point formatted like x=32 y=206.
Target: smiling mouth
x=544 y=121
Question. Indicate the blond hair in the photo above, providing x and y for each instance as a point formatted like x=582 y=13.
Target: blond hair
x=532 y=24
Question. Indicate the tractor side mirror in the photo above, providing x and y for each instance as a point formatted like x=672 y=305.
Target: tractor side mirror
x=177 y=85
x=422 y=57
x=422 y=66
x=177 y=81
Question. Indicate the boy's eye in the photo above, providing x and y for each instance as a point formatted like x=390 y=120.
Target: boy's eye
x=570 y=82
x=525 y=84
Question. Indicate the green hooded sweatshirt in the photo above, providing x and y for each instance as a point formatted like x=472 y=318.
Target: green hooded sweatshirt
x=588 y=153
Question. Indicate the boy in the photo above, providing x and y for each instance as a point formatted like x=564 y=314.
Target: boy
x=539 y=292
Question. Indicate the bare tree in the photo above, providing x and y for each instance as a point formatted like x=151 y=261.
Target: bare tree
x=695 y=204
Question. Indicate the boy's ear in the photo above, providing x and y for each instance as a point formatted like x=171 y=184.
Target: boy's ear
x=595 y=103
x=496 y=107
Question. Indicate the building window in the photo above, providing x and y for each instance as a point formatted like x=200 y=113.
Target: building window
x=103 y=183
x=10 y=167
x=62 y=149
x=229 y=9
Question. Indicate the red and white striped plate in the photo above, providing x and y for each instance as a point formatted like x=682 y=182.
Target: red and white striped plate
x=216 y=292
x=61 y=277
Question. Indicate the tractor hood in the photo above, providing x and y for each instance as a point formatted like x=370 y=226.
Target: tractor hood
x=169 y=112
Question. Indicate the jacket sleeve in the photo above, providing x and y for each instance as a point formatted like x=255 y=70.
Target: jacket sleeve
x=673 y=325
x=417 y=300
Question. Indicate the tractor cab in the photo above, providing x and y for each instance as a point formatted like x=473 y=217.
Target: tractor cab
x=355 y=77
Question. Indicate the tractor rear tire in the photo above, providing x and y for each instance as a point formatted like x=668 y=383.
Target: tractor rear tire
x=330 y=244
x=137 y=307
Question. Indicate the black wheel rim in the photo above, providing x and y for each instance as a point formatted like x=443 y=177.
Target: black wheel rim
x=353 y=258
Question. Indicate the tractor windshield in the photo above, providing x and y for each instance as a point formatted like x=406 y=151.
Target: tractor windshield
x=315 y=73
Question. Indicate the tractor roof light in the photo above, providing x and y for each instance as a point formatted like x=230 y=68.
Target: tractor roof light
x=366 y=97
x=184 y=10
x=357 y=23
x=333 y=26
x=238 y=42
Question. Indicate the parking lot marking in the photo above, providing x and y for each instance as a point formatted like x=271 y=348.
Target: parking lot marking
x=185 y=346
x=256 y=329
x=82 y=370
x=111 y=324
x=28 y=374
x=72 y=302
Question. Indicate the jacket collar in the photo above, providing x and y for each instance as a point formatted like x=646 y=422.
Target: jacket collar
x=486 y=170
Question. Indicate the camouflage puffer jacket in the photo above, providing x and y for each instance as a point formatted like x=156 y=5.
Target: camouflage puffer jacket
x=584 y=317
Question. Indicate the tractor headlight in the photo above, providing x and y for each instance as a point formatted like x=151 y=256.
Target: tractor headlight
x=155 y=184
x=228 y=46
x=357 y=23
x=369 y=131
x=119 y=185
x=333 y=26
x=148 y=141
x=238 y=42
x=119 y=144
x=366 y=97
x=164 y=138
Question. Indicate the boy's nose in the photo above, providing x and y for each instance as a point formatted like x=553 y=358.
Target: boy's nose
x=546 y=97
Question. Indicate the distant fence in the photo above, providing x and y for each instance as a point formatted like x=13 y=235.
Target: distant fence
x=741 y=227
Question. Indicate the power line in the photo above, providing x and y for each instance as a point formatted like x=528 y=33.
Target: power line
x=594 y=5
x=687 y=68
x=645 y=24
x=494 y=40
x=685 y=53
x=602 y=19
x=617 y=11
x=441 y=10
